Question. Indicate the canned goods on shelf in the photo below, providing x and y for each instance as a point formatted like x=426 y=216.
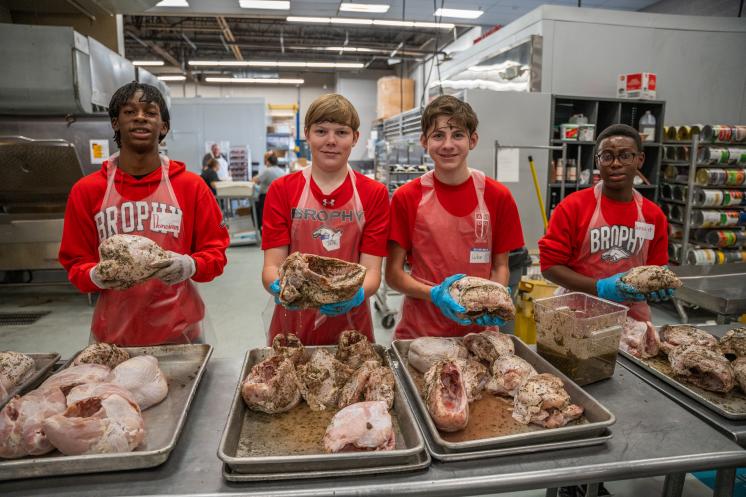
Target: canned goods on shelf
x=725 y=238
x=569 y=132
x=710 y=177
x=718 y=133
x=666 y=191
x=708 y=198
x=677 y=213
x=702 y=257
x=715 y=218
x=669 y=153
x=675 y=232
x=670 y=132
x=679 y=193
x=682 y=153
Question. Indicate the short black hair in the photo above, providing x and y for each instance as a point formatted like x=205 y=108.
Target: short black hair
x=150 y=94
x=272 y=159
x=620 y=130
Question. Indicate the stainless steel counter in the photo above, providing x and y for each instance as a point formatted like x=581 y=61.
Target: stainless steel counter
x=717 y=288
x=653 y=436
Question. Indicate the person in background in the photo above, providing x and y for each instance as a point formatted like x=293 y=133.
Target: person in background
x=330 y=210
x=451 y=222
x=597 y=234
x=210 y=174
x=272 y=171
x=139 y=192
x=214 y=153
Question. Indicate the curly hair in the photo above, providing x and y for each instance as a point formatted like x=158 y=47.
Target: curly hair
x=150 y=94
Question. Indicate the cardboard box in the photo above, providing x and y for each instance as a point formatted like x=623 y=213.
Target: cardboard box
x=637 y=85
x=395 y=95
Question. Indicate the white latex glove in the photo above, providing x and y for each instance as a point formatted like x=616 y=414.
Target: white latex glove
x=180 y=267
x=104 y=284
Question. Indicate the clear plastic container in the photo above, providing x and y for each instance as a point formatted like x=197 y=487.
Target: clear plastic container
x=579 y=334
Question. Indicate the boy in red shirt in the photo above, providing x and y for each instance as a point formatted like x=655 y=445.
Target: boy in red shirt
x=443 y=224
x=597 y=234
x=139 y=192
x=330 y=210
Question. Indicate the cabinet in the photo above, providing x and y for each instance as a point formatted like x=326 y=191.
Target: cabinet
x=578 y=171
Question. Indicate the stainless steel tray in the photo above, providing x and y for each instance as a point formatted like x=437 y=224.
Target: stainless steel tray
x=276 y=460
x=731 y=405
x=43 y=364
x=596 y=417
x=183 y=366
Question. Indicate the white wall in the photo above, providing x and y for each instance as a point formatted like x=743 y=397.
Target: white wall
x=695 y=7
x=361 y=91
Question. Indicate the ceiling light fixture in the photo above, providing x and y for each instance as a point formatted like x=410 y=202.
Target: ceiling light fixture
x=173 y=77
x=364 y=7
x=148 y=62
x=172 y=3
x=271 y=63
x=348 y=49
x=219 y=63
x=265 y=4
x=261 y=81
x=374 y=22
x=458 y=13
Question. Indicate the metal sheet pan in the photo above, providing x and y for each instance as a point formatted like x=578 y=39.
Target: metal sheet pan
x=276 y=461
x=43 y=364
x=595 y=421
x=183 y=366
x=731 y=405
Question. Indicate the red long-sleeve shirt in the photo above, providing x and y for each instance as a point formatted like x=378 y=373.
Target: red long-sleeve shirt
x=203 y=234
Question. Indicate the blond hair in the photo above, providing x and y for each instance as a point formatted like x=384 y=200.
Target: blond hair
x=332 y=108
x=459 y=113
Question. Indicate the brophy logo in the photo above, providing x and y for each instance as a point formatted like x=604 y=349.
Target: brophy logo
x=139 y=216
x=615 y=242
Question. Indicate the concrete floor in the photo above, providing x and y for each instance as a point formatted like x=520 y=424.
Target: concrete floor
x=236 y=303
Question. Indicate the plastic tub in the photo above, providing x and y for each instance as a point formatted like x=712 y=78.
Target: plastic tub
x=579 y=334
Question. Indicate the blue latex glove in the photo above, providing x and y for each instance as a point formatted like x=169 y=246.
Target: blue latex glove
x=441 y=297
x=614 y=289
x=274 y=289
x=660 y=295
x=491 y=319
x=345 y=306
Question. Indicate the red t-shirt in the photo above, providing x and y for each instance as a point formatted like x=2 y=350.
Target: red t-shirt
x=459 y=200
x=569 y=225
x=203 y=234
x=284 y=194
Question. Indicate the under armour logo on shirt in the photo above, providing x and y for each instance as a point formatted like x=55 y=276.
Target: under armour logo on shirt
x=328 y=202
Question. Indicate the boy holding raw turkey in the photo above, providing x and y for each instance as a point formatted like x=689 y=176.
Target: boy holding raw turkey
x=444 y=225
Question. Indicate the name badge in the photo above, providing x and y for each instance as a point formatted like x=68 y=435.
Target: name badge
x=479 y=256
x=165 y=222
x=646 y=231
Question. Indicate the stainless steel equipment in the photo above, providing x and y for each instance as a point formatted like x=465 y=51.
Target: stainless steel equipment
x=719 y=289
x=274 y=463
x=43 y=364
x=183 y=366
x=598 y=417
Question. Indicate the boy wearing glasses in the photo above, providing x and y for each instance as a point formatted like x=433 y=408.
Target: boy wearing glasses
x=597 y=234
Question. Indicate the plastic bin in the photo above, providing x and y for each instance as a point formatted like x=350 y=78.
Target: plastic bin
x=579 y=334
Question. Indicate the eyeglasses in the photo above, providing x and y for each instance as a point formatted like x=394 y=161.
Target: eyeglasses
x=607 y=158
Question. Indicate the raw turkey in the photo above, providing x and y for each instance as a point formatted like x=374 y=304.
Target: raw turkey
x=129 y=259
x=106 y=423
x=359 y=427
x=673 y=335
x=542 y=400
x=646 y=279
x=288 y=345
x=89 y=390
x=142 y=376
x=21 y=432
x=15 y=368
x=102 y=353
x=734 y=342
x=640 y=338
x=702 y=366
x=308 y=280
x=481 y=296
x=426 y=351
x=354 y=349
x=446 y=396
x=739 y=370
x=371 y=381
x=489 y=345
x=509 y=372
x=73 y=376
x=476 y=375
x=272 y=386
x=321 y=380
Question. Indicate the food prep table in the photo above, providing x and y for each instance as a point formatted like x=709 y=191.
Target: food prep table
x=653 y=436
x=718 y=289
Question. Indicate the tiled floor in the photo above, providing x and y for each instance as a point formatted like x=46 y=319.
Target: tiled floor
x=235 y=303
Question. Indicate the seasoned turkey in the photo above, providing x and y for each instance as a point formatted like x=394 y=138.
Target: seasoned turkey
x=308 y=280
x=489 y=345
x=371 y=381
x=640 y=338
x=702 y=366
x=734 y=342
x=354 y=349
x=739 y=370
x=481 y=296
x=673 y=335
x=272 y=386
x=129 y=259
x=142 y=376
x=646 y=279
x=21 y=419
x=102 y=353
x=289 y=346
x=509 y=372
x=542 y=400
x=15 y=368
x=446 y=396
x=424 y=352
x=322 y=379
x=361 y=426
x=475 y=375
